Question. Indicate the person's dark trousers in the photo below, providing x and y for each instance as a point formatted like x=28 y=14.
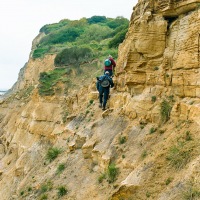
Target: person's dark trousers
x=110 y=72
x=103 y=95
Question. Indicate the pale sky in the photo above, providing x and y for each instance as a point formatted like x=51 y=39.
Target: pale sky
x=21 y=20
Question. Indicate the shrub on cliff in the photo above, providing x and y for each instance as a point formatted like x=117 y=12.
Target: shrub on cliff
x=62 y=191
x=73 y=56
x=165 y=110
x=112 y=172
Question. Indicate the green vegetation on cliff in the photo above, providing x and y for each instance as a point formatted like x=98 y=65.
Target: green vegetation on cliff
x=97 y=33
x=80 y=46
x=73 y=56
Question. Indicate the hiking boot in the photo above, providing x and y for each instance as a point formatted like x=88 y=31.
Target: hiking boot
x=100 y=105
x=103 y=108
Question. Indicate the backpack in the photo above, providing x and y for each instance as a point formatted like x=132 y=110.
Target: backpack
x=105 y=82
x=107 y=62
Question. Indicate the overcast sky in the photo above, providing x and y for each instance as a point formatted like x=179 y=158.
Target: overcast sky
x=21 y=21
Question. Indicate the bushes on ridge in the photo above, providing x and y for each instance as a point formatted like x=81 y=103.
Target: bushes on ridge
x=96 y=19
x=61 y=36
x=119 y=38
x=95 y=32
x=53 y=27
x=117 y=22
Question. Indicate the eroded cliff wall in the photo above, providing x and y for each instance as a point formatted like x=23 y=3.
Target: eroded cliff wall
x=150 y=131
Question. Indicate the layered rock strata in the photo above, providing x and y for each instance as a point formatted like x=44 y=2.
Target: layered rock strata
x=158 y=60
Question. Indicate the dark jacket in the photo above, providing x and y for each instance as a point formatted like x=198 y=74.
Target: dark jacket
x=97 y=83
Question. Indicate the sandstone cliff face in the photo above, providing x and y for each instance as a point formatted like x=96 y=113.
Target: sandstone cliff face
x=161 y=50
x=156 y=157
x=161 y=53
x=29 y=75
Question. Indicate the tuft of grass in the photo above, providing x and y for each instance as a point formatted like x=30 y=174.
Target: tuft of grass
x=122 y=140
x=89 y=119
x=65 y=115
x=28 y=91
x=141 y=126
x=148 y=194
x=53 y=153
x=188 y=136
x=162 y=131
x=91 y=101
x=61 y=168
x=156 y=68
x=144 y=154
x=101 y=178
x=29 y=189
x=62 y=191
x=191 y=193
x=87 y=111
x=112 y=172
x=44 y=197
x=166 y=75
x=165 y=110
x=153 y=99
x=168 y=181
x=192 y=102
x=152 y=130
x=46 y=187
x=171 y=98
x=178 y=156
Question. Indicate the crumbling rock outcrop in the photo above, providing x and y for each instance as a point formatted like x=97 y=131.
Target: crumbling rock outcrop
x=161 y=50
x=158 y=60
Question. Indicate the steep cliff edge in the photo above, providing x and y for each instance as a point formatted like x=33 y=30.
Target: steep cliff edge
x=145 y=146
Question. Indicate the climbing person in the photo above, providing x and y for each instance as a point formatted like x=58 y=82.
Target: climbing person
x=109 y=65
x=103 y=86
